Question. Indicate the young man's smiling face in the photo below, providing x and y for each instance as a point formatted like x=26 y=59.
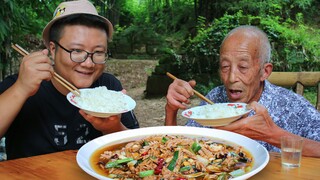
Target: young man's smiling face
x=79 y=37
x=240 y=69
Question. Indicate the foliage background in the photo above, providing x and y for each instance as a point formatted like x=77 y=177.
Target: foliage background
x=184 y=35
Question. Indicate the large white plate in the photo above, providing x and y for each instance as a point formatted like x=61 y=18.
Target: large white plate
x=206 y=117
x=130 y=105
x=259 y=153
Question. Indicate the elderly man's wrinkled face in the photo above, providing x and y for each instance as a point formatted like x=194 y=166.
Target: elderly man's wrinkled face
x=240 y=70
x=79 y=37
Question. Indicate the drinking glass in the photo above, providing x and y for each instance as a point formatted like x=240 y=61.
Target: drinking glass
x=291 y=150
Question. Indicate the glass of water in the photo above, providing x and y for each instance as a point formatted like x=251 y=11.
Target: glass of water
x=291 y=150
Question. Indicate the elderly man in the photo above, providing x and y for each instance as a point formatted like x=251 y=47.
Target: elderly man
x=36 y=117
x=244 y=69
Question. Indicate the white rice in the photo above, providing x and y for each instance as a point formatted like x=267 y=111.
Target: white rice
x=219 y=111
x=100 y=99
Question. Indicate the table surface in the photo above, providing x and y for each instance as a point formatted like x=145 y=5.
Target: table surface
x=63 y=165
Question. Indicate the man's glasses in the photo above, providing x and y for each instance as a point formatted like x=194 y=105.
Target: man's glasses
x=79 y=56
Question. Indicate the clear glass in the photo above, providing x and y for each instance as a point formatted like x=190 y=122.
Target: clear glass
x=291 y=150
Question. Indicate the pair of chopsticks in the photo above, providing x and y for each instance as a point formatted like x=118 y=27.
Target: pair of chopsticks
x=195 y=92
x=56 y=76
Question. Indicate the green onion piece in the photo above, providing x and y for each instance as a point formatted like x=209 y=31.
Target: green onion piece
x=237 y=173
x=143 y=174
x=117 y=162
x=195 y=147
x=145 y=143
x=164 y=140
x=233 y=154
x=222 y=176
x=173 y=161
x=185 y=168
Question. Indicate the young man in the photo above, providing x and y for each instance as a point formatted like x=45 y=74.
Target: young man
x=36 y=118
x=244 y=69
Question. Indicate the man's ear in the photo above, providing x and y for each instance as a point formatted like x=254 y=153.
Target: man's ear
x=52 y=49
x=266 y=71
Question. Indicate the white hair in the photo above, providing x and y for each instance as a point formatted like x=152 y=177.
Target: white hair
x=264 y=47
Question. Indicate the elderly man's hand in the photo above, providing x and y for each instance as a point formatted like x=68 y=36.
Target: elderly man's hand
x=179 y=93
x=178 y=96
x=259 y=126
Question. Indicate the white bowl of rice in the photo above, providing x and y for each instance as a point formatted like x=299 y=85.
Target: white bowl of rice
x=219 y=114
x=101 y=102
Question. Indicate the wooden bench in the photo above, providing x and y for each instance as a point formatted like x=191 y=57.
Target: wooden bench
x=298 y=81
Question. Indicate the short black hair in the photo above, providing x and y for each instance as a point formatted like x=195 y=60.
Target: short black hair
x=76 y=19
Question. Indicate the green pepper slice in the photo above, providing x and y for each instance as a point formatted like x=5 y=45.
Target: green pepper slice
x=195 y=147
x=173 y=161
x=146 y=173
x=185 y=168
x=117 y=162
x=164 y=140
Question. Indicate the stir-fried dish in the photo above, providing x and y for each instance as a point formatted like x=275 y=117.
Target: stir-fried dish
x=174 y=157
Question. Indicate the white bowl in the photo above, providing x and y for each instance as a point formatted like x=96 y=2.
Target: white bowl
x=130 y=105
x=206 y=117
x=258 y=152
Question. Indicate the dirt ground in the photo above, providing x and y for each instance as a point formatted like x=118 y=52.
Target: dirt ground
x=133 y=75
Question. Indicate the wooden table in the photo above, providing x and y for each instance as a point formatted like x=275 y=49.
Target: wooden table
x=63 y=165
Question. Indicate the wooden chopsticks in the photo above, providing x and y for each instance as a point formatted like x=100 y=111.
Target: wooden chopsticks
x=195 y=92
x=66 y=84
x=56 y=76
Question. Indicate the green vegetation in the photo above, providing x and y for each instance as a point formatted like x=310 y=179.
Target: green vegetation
x=310 y=94
x=183 y=35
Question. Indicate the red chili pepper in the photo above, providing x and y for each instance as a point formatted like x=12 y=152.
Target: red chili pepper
x=230 y=104
x=180 y=178
x=145 y=153
x=239 y=106
x=159 y=167
x=157 y=171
